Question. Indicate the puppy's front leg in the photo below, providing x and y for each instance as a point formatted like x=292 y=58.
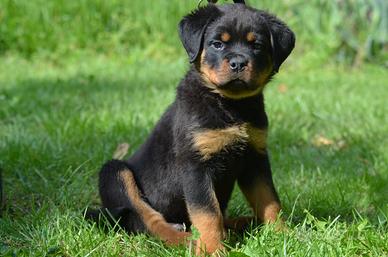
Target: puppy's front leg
x=258 y=188
x=204 y=211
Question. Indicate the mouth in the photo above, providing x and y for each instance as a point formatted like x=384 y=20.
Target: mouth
x=236 y=85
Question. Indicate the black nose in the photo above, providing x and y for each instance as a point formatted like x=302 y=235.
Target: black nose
x=238 y=63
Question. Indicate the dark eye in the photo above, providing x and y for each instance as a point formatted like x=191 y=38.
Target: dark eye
x=218 y=45
x=257 y=45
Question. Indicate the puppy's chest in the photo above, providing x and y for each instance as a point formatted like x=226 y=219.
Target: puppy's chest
x=232 y=140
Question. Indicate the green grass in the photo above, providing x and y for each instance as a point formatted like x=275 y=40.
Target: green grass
x=78 y=79
x=59 y=122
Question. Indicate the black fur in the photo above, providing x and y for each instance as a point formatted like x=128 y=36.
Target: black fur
x=193 y=26
x=235 y=1
x=170 y=173
x=283 y=39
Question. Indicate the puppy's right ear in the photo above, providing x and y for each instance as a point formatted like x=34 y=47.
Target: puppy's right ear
x=193 y=26
x=282 y=39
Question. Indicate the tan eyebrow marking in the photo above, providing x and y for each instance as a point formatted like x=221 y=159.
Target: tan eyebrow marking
x=225 y=37
x=251 y=37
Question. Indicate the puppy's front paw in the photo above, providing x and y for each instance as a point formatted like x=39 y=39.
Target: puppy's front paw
x=215 y=249
x=220 y=252
x=178 y=226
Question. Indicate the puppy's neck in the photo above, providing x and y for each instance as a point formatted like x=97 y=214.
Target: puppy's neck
x=192 y=90
x=198 y=84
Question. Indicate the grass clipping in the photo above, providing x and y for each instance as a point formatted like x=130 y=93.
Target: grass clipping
x=121 y=151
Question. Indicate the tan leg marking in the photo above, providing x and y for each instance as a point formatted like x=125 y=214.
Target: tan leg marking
x=153 y=220
x=263 y=202
x=210 y=226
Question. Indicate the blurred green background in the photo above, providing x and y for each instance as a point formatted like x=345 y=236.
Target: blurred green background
x=350 y=31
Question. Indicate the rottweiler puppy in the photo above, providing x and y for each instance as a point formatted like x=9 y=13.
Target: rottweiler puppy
x=212 y=136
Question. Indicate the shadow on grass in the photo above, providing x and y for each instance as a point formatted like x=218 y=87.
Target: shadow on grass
x=57 y=134
x=63 y=129
x=339 y=179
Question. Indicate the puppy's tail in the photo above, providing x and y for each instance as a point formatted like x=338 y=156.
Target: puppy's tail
x=110 y=216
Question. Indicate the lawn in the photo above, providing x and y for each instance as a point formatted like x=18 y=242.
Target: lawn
x=63 y=112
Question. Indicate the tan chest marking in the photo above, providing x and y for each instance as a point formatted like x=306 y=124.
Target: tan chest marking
x=257 y=138
x=211 y=141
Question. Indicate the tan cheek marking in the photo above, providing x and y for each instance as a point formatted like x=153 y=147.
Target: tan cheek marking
x=225 y=37
x=209 y=142
x=262 y=80
x=212 y=76
x=224 y=72
x=263 y=202
x=208 y=74
x=153 y=220
x=251 y=37
x=248 y=72
x=247 y=76
x=263 y=77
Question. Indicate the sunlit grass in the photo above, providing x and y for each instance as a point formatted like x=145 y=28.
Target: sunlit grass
x=60 y=122
x=79 y=77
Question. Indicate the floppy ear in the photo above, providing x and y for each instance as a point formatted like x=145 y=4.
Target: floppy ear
x=193 y=26
x=282 y=40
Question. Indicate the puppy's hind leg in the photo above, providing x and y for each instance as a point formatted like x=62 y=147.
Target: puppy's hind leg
x=118 y=188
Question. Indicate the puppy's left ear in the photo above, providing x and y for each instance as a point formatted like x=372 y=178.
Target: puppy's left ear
x=282 y=40
x=193 y=26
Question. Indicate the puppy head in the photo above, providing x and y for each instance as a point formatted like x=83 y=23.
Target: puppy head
x=236 y=48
